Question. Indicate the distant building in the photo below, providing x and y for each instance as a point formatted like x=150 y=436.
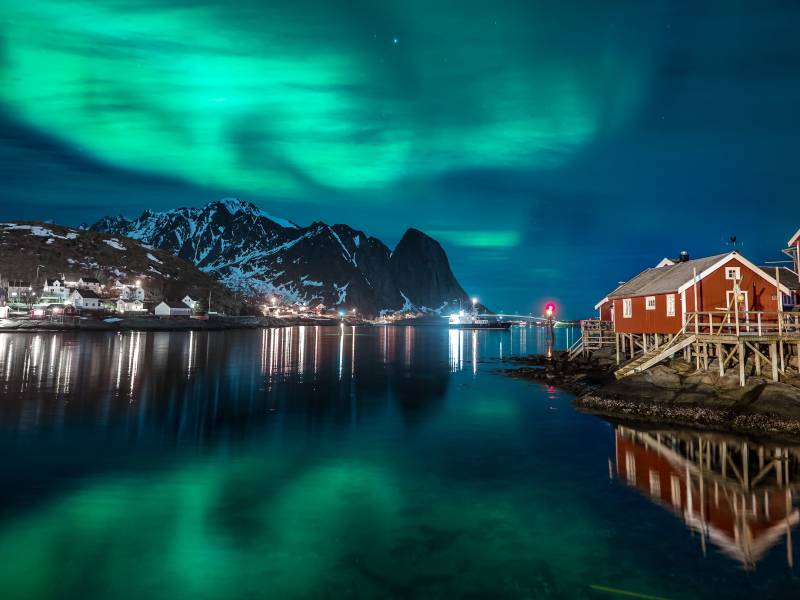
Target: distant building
x=172 y=309
x=187 y=300
x=134 y=305
x=89 y=283
x=3 y=312
x=132 y=292
x=55 y=287
x=18 y=289
x=84 y=298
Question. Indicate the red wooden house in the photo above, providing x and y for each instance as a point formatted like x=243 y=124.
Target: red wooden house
x=656 y=300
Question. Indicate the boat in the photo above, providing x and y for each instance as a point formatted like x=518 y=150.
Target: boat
x=462 y=320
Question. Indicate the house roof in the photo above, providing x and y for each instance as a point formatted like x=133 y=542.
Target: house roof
x=661 y=280
x=90 y=280
x=677 y=277
x=788 y=277
x=175 y=304
x=793 y=239
x=86 y=293
x=52 y=281
x=18 y=283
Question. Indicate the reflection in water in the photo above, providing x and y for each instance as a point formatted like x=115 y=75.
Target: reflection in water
x=738 y=495
x=356 y=462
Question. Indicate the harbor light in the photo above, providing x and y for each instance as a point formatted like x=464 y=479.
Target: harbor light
x=549 y=309
x=474 y=301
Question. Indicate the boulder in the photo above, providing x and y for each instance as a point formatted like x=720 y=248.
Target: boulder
x=681 y=366
x=778 y=398
x=663 y=377
x=702 y=377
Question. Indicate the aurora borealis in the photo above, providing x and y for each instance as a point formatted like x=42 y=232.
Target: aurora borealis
x=523 y=135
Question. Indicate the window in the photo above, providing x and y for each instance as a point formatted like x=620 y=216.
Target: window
x=630 y=467
x=655 y=483
x=627 y=308
x=670 y=305
x=675 y=489
x=650 y=303
x=733 y=273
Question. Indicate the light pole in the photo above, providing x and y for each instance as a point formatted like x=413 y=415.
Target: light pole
x=474 y=305
x=549 y=311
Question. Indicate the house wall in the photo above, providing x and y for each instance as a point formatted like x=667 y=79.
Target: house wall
x=648 y=321
x=711 y=296
x=606 y=311
x=711 y=291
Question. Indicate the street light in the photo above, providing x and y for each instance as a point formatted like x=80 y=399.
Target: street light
x=549 y=310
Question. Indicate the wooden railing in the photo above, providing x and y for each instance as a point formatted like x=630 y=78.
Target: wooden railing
x=750 y=322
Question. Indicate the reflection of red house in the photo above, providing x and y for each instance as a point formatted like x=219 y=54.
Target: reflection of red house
x=743 y=524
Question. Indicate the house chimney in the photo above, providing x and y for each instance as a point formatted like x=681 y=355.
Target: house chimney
x=684 y=256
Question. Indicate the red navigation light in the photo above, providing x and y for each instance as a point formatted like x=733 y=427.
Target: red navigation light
x=549 y=309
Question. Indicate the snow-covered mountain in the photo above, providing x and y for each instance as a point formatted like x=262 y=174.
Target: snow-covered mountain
x=256 y=253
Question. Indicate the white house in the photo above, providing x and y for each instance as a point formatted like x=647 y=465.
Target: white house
x=55 y=288
x=134 y=305
x=172 y=309
x=86 y=299
x=18 y=289
x=187 y=300
x=3 y=312
x=89 y=283
x=132 y=293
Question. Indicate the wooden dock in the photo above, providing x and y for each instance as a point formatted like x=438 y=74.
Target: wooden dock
x=729 y=338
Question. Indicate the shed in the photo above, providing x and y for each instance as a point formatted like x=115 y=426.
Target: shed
x=169 y=308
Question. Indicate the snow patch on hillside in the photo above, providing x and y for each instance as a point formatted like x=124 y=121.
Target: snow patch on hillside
x=114 y=243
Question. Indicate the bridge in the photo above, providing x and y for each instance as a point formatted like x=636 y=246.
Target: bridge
x=527 y=318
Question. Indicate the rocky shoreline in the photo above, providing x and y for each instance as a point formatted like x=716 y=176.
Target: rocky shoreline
x=155 y=324
x=672 y=393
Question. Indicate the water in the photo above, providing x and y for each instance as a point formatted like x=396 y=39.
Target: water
x=386 y=462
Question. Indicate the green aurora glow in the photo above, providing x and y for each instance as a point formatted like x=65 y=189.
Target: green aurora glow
x=285 y=99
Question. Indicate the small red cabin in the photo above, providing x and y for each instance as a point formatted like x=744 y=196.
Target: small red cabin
x=657 y=299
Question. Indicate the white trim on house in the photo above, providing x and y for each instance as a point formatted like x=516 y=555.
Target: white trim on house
x=627 y=308
x=670 y=305
x=791 y=239
x=733 y=273
x=733 y=255
x=650 y=303
x=683 y=307
x=599 y=304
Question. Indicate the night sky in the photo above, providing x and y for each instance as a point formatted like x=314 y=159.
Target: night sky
x=553 y=148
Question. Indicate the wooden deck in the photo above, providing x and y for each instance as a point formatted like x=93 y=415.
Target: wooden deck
x=766 y=342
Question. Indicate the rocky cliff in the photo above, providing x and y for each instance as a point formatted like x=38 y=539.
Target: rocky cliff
x=257 y=254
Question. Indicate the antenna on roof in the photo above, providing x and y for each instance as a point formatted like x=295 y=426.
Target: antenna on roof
x=733 y=242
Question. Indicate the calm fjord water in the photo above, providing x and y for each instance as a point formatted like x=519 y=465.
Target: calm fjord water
x=374 y=462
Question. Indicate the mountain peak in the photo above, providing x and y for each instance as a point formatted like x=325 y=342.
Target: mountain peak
x=256 y=254
x=234 y=206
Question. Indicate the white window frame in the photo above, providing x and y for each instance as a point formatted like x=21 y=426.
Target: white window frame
x=650 y=303
x=735 y=271
x=670 y=305
x=627 y=308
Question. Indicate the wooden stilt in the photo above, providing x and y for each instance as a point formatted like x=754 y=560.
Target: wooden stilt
x=721 y=360
x=758 y=363
x=773 y=356
x=741 y=364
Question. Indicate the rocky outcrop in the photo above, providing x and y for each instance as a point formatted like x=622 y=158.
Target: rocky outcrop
x=672 y=393
x=421 y=271
x=257 y=253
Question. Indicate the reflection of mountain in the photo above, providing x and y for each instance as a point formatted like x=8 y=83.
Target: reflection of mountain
x=736 y=494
